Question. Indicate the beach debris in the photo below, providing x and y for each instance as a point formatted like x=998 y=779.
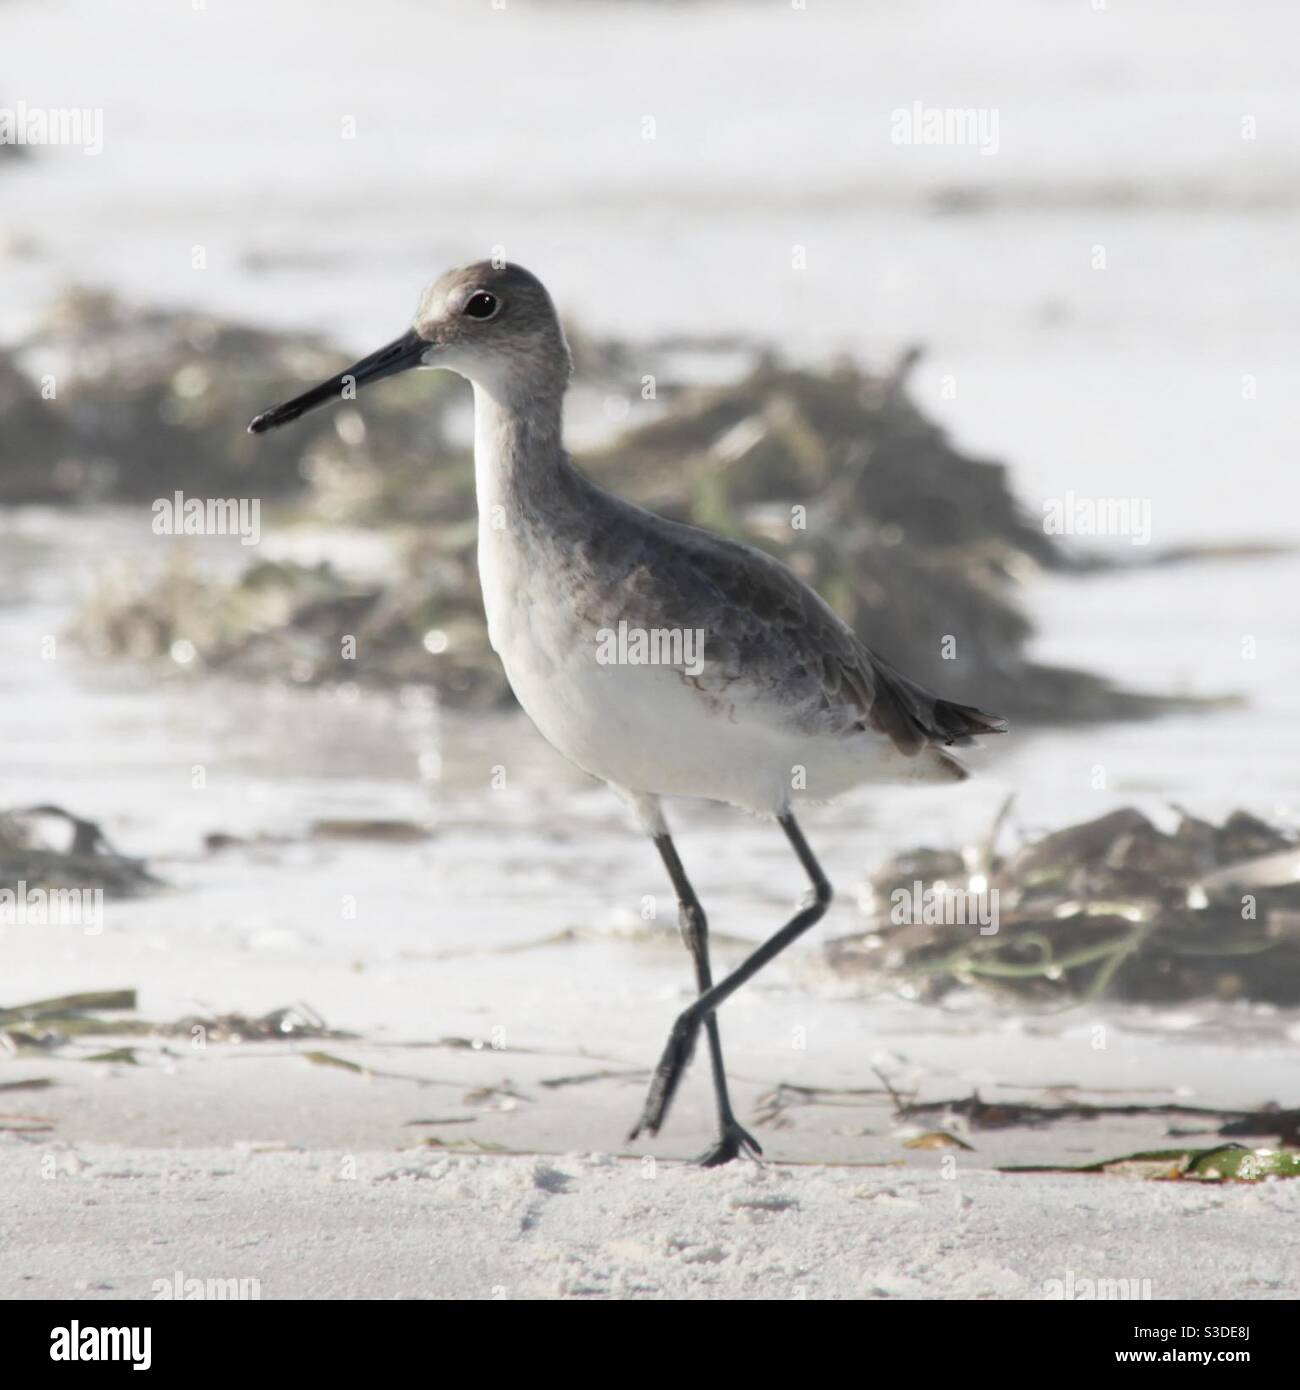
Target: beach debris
x=852 y=443
x=1113 y=906
x=940 y=1124
x=1270 y=1119
x=125 y=1055
x=502 y=1096
x=217 y=841
x=937 y=1139
x=49 y=1023
x=395 y=832
x=46 y=1024
x=36 y=468
x=284 y=621
x=297 y=1021
x=26 y=1124
x=461 y=1044
x=772 y=1107
x=554 y=1083
x=86 y=859
x=1223 y=1163
x=977 y=1114
x=156 y=401
x=487 y=1146
x=109 y=1000
x=328 y=1059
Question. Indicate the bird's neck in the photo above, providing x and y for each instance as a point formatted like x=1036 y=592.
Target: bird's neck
x=520 y=466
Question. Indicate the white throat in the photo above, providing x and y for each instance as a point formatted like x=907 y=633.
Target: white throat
x=518 y=445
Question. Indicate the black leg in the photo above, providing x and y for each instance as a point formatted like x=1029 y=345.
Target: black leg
x=733 y=1140
x=681 y=1041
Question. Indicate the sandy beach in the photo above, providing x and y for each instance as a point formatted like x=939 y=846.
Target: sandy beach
x=328 y=1224
x=479 y=949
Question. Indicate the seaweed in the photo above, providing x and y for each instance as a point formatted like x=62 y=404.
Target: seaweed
x=48 y=1024
x=1113 y=906
x=296 y=1022
x=1223 y=1163
x=88 y=860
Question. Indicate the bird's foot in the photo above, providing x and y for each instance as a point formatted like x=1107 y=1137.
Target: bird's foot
x=672 y=1066
x=733 y=1142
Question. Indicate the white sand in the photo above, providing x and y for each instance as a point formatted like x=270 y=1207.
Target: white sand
x=331 y=1225
x=248 y=1162
x=149 y=1175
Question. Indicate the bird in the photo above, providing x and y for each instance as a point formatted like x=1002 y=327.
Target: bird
x=660 y=658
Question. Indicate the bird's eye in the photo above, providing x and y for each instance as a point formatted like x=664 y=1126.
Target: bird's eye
x=481 y=305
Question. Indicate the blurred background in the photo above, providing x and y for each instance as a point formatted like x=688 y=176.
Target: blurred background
x=780 y=293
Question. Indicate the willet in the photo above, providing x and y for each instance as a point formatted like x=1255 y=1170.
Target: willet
x=661 y=659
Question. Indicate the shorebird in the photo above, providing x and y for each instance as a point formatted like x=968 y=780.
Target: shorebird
x=726 y=678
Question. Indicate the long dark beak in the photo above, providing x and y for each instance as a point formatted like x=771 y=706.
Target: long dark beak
x=399 y=356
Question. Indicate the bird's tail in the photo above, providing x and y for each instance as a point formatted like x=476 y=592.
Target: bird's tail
x=958 y=724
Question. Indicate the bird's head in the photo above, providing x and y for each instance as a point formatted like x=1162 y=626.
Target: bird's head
x=492 y=323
